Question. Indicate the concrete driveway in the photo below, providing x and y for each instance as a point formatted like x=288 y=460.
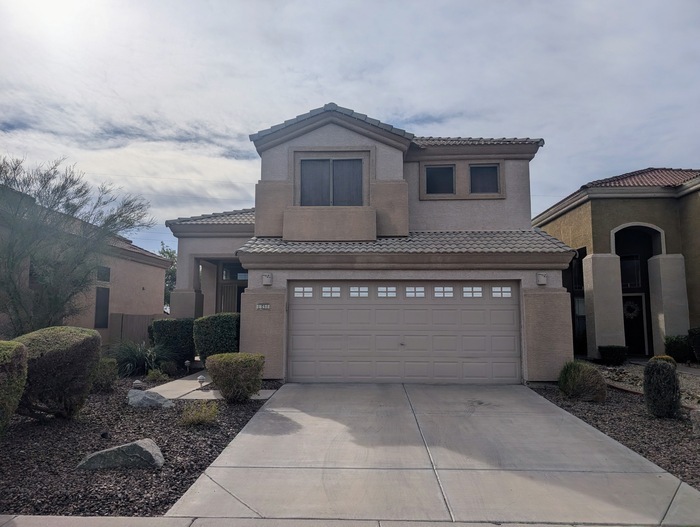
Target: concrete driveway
x=390 y=454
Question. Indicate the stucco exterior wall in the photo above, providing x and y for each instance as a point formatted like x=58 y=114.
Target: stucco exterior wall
x=189 y=249
x=510 y=212
x=573 y=228
x=689 y=214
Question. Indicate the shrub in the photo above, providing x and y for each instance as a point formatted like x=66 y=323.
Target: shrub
x=215 y=334
x=236 y=375
x=176 y=335
x=105 y=375
x=169 y=367
x=664 y=358
x=678 y=347
x=662 y=393
x=61 y=366
x=694 y=341
x=157 y=376
x=13 y=377
x=138 y=359
x=198 y=413
x=613 y=355
x=581 y=380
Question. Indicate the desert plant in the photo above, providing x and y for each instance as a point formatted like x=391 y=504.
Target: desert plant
x=155 y=375
x=613 y=355
x=60 y=369
x=662 y=393
x=216 y=334
x=236 y=375
x=105 y=375
x=664 y=358
x=175 y=335
x=138 y=359
x=13 y=376
x=678 y=347
x=694 y=342
x=198 y=413
x=169 y=367
x=581 y=380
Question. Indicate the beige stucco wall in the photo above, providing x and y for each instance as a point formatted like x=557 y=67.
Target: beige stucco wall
x=330 y=224
x=264 y=330
x=689 y=214
x=573 y=228
x=669 y=300
x=510 y=212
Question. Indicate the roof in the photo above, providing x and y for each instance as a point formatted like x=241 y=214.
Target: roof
x=232 y=217
x=331 y=107
x=648 y=177
x=424 y=142
x=122 y=243
x=444 y=242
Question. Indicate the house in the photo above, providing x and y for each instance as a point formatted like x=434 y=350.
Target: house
x=635 y=278
x=378 y=256
x=129 y=282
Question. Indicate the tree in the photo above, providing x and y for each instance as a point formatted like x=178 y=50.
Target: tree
x=55 y=228
x=170 y=274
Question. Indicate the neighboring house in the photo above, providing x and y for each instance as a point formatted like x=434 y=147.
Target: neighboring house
x=127 y=293
x=378 y=256
x=636 y=277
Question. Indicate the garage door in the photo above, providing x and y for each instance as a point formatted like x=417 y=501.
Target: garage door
x=431 y=332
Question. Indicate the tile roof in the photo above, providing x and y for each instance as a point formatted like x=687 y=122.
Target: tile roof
x=456 y=242
x=122 y=243
x=232 y=217
x=424 y=142
x=648 y=177
x=331 y=107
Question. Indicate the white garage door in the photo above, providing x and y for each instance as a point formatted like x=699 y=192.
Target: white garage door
x=432 y=332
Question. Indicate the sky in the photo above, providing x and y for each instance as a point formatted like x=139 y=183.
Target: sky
x=158 y=97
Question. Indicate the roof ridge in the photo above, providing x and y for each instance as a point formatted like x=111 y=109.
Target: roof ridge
x=649 y=177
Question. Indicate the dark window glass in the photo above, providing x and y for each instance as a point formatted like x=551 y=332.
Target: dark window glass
x=327 y=182
x=440 y=180
x=630 y=271
x=483 y=179
x=102 y=307
x=233 y=271
x=103 y=274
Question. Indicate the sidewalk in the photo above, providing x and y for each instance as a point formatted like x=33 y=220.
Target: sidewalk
x=190 y=388
x=681 y=368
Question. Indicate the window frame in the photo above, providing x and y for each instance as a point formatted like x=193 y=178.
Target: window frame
x=498 y=179
x=462 y=179
x=454 y=179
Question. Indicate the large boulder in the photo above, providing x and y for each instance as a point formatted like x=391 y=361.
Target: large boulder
x=140 y=399
x=143 y=453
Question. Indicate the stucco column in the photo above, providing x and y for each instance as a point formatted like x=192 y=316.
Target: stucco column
x=187 y=301
x=602 y=288
x=669 y=298
x=264 y=327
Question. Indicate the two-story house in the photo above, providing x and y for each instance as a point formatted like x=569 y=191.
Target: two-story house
x=378 y=256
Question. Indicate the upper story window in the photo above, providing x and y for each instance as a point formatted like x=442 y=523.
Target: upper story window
x=331 y=182
x=483 y=179
x=103 y=274
x=440 y=179
x=631 y=271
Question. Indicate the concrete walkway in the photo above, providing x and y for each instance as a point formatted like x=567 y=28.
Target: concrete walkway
x=190 y=388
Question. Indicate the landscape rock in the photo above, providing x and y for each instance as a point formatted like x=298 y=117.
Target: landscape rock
x=143 y=453
x=695 y=419
x=147 y=399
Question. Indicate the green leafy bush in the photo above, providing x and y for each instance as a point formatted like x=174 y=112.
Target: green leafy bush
x=198 y=413
x=581 y=380
x=138 y=359
x=105 y=375
x=664 y=358
x=61 y=367
x=236 y=375
x=662 y=392
x=678 y=347
x=168 y=367
x=694 y=342
x=215 y=334
x=613 y=355
x=157 y=376
x=13 y=377
x=175 y=335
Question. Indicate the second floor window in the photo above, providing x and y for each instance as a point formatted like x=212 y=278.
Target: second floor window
x=331 y=182
x=440 y=179
x=483 y=179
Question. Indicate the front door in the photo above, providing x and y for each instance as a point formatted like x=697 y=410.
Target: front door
x=635 y=326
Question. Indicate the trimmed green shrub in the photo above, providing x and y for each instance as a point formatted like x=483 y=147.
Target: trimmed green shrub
x=613 y=355
x=198 y=413
x=157 y=376
x=236 y=375
x=13 y=377
x=175 y=335
x=662 y=392
x=169 y=367
x=138 y=359
x=581 y=380
x=105 y=375
x=678 y=347
x=694 y=342
x=664 y=358
x=61 y=367
x=215 y=334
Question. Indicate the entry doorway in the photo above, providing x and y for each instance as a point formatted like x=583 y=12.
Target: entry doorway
x=634 y=311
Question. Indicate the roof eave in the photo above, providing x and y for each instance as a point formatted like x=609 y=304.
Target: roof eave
x=500 y=151
x=211 y=230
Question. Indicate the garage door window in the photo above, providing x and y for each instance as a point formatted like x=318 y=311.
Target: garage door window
x=415 y=292
x=472 y=291
x=303 y=292
x=330 y=292
x=386 y=292
x=443 y=291
x=501 y=292
x=359 y=292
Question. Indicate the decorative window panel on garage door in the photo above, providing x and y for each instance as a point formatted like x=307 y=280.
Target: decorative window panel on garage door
x=432 y=332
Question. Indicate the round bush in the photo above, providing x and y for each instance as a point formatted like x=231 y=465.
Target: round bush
x=664 y=358
x=13 y=376
x=215 y=334
x=581 y=380
x=662 y=391
x=175 y=335
x=236 y=375
x=61 y=367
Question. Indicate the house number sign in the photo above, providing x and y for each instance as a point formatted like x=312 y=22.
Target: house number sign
x=262 y=307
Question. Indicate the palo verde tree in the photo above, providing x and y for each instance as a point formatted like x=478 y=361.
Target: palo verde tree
x=55 y=229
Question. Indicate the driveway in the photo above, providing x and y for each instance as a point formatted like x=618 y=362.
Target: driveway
x=431 y=453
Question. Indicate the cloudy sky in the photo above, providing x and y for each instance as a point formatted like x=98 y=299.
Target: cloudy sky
x=159 y=96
